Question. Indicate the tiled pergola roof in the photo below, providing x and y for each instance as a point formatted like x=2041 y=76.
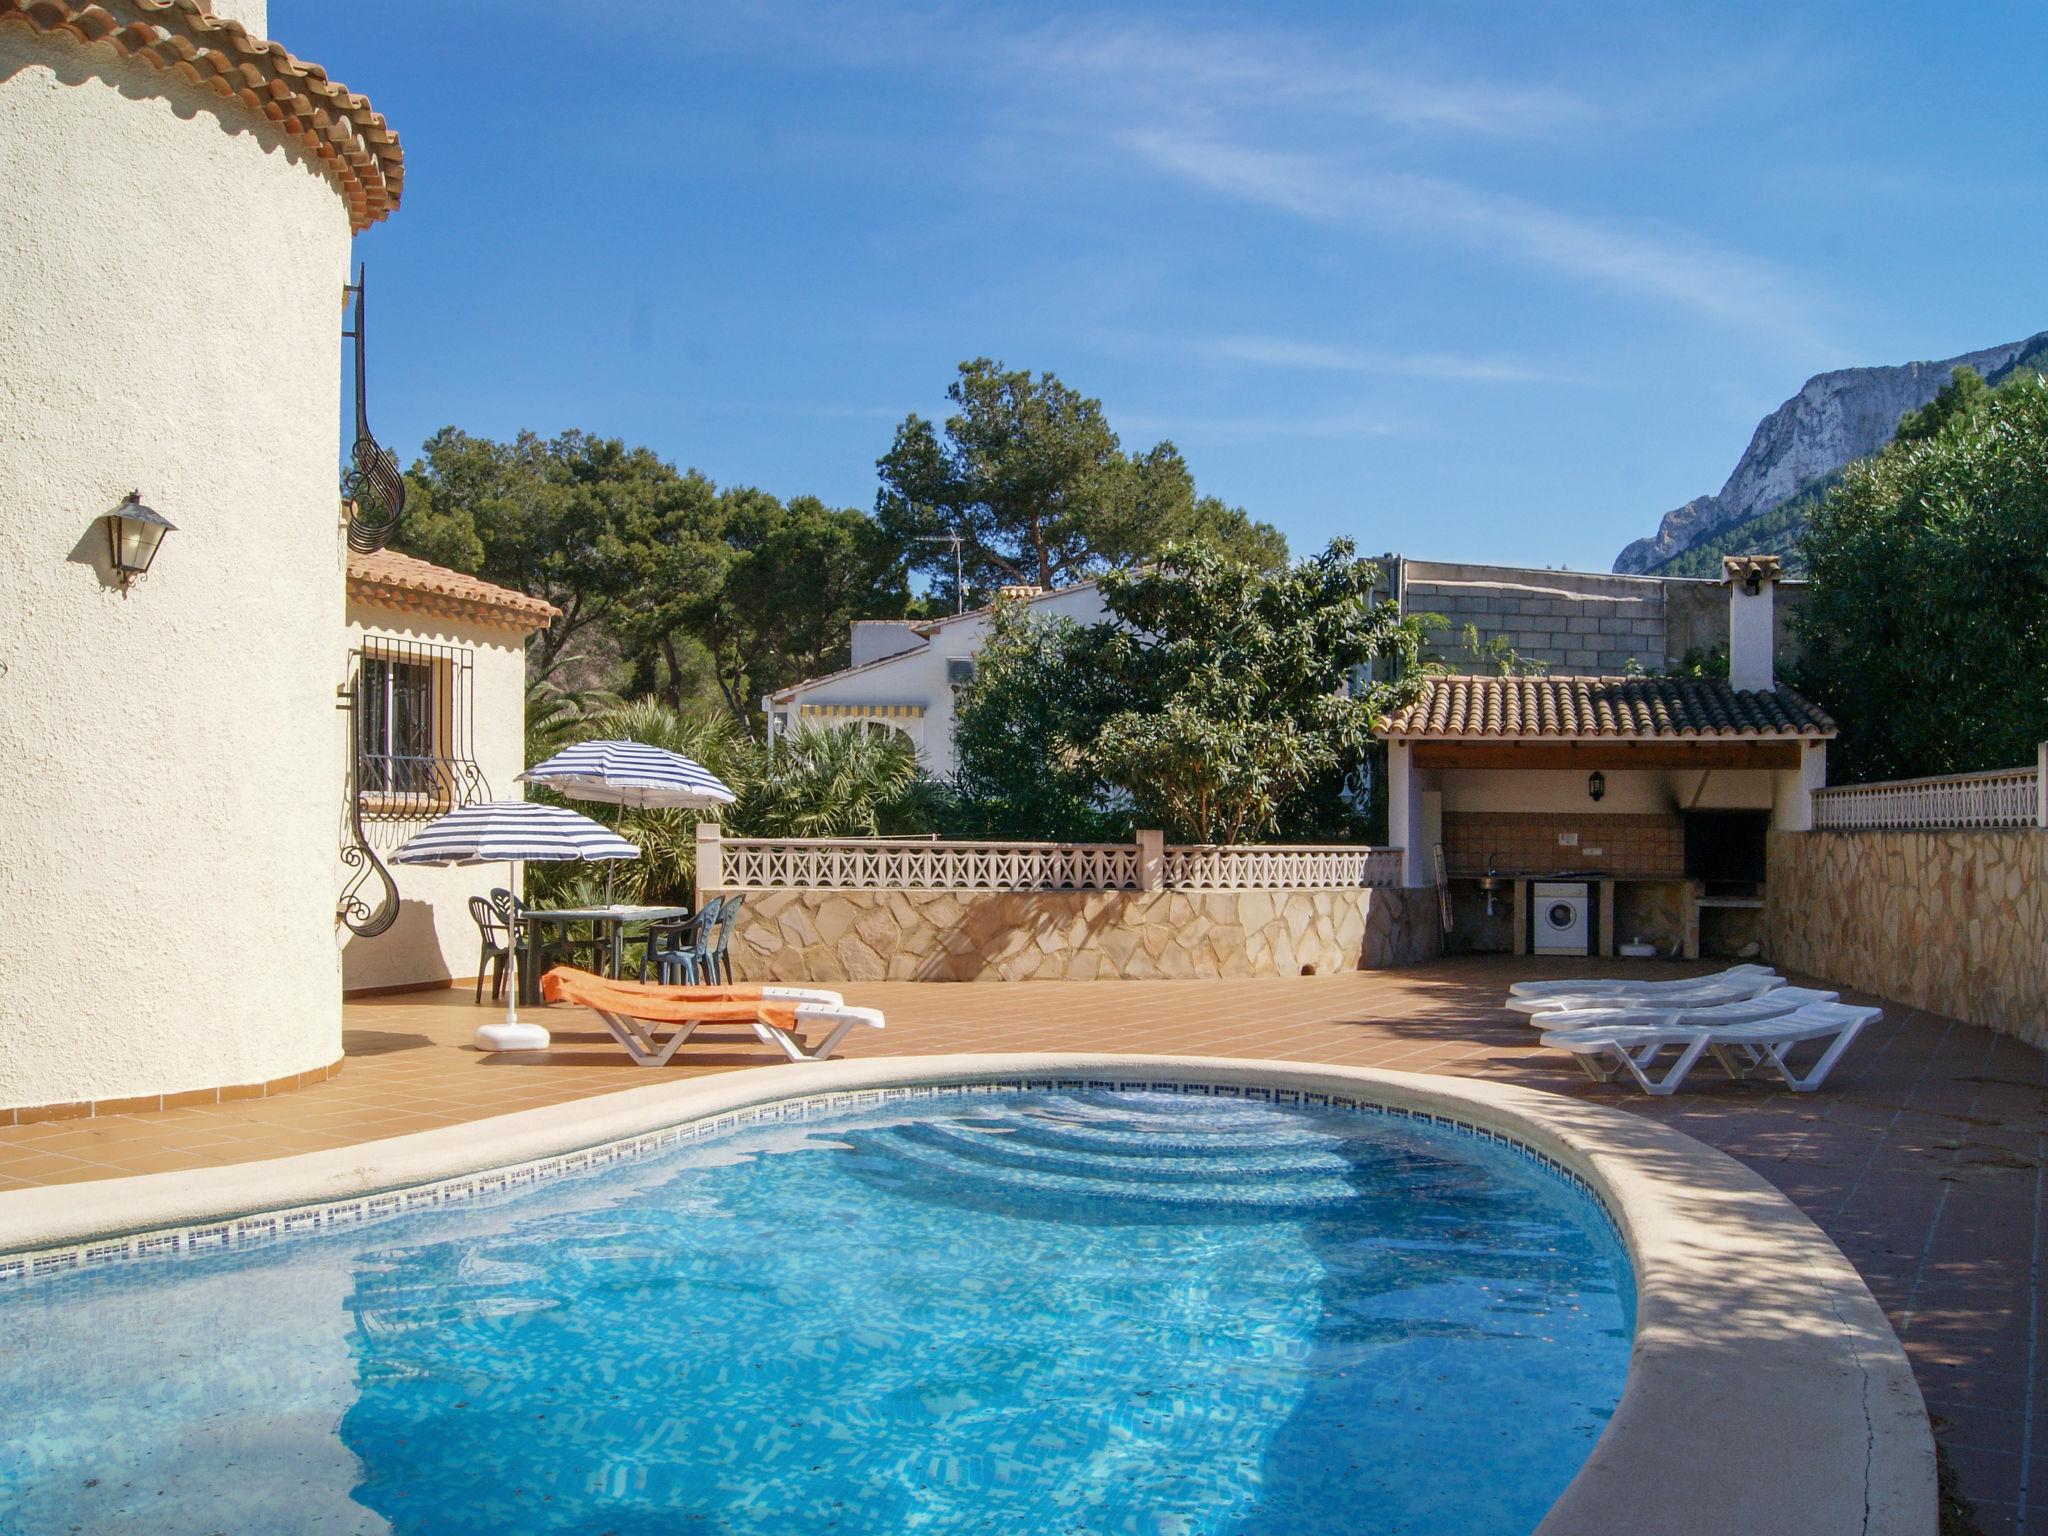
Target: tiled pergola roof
x=1601 y=708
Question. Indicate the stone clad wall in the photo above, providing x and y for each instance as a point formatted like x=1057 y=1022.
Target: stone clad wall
x=807 y=935
x=1953 y=922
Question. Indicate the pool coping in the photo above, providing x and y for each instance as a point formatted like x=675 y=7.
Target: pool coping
x=1766 y=1390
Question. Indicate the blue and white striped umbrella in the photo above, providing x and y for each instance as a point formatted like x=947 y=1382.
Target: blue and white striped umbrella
x=512 y=832
x=629 y=773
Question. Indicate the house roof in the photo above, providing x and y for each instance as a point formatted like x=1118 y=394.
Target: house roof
x=1603 y=708
x=399 y=581
x=338 y=129
x=924 y=629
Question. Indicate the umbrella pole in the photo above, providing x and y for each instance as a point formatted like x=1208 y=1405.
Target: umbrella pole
x=512 y=957
x=512 y=1034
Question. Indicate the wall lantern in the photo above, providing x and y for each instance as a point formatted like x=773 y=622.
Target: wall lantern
x=133 y=533
x=1596 y=785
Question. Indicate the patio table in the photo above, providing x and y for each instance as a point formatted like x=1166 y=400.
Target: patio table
x=608 y=921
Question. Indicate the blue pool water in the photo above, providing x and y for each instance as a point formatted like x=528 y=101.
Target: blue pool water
x=1033 y=1312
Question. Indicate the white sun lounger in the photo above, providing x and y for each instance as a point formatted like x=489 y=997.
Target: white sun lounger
x=1624 y=985
x=1758 y=1045
x=1765 y=1005
x=1699 y=992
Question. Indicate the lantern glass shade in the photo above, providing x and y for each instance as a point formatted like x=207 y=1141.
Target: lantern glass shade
x=133 y=534
x=1596 y=784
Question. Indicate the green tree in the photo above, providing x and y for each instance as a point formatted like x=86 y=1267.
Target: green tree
x=1963 y=395
x=1218 y=702
x=576 y=519
x=1040 y=491
x=1021 y=730
x=1925 y=630
x=795 y=578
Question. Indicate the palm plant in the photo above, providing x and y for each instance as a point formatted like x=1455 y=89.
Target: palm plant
x=848 y=782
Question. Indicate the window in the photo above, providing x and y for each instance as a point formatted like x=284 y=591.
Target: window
x=959 y=671
x=395 y=726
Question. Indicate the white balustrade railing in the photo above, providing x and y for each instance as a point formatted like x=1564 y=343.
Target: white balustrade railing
x=916 y=864
x=1277 y=868
x=868 y=864
x=2009 y=798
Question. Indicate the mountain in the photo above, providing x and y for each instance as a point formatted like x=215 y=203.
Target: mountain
x=1796 y=454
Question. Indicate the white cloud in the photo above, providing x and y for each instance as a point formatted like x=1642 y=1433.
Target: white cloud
x=1272 y=69
x=1325 y=357
x=1658 y=263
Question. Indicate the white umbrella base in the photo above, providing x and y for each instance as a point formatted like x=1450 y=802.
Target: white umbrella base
x=511 y=1036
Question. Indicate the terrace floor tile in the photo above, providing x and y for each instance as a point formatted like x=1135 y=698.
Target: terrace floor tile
x=1922 y=1157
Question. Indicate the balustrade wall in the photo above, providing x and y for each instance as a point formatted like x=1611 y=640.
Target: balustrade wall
x=849 y=909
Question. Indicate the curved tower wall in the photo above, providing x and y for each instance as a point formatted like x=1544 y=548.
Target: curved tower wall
x=169 y=323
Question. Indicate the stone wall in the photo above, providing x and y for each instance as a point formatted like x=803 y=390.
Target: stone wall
x=807 y=935
x=1953 y=922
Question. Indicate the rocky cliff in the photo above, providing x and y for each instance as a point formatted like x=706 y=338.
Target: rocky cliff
x=1834 y=420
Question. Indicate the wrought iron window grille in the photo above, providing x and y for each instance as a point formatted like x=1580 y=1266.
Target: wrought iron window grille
x=412 y=757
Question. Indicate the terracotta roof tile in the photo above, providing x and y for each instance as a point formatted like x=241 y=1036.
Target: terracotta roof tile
x=400 y=581
x=329 y=121
x=1623 y=708
x=1751 y=570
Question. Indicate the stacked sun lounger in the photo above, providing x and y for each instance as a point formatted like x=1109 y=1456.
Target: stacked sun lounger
x=1746 y=1018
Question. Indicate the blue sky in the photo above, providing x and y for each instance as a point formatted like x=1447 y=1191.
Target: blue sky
x=1462 y=281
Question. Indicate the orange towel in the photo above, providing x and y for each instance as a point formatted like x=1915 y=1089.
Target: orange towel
x=666 y=1005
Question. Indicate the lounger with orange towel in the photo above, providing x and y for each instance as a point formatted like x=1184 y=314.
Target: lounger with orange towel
x=637 y=1013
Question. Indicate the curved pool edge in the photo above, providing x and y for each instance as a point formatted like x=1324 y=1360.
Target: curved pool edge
x=1766 y=1390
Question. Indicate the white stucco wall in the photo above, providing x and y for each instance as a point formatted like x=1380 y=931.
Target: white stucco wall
x=253 y=14
x=170 y=300
x=434 y=938
x=919 y=676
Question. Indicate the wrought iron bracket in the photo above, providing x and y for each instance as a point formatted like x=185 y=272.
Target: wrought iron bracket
x=355 y=910
x=372 y=484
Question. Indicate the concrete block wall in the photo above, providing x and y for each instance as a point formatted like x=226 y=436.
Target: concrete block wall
x=1569 y=621
x=1580 y=621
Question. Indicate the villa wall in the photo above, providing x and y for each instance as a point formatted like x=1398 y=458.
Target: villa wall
x=1955 y=922
x=169 y=321
x=863 y=935
x=434 y=939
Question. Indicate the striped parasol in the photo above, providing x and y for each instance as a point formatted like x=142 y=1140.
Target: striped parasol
x=629 y=773
x=512 y=832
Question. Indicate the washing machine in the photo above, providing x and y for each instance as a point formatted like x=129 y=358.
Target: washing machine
x=1561 y=924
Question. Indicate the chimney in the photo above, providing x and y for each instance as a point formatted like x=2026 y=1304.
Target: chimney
x=1752 y=582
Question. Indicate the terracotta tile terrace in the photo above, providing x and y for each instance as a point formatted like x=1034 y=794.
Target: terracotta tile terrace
x=1923 y=1158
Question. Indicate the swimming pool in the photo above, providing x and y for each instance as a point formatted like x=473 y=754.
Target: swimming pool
x=1059 y=1311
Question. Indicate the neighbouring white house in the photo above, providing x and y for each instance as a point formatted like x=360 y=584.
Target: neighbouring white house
x=904 y=672
x=1577 y=814
x=437 y=680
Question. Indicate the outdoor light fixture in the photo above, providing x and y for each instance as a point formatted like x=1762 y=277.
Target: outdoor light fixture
x=1596 y=785
x=133 y=533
